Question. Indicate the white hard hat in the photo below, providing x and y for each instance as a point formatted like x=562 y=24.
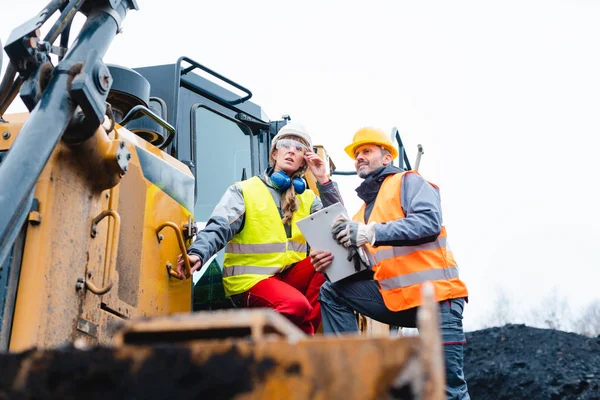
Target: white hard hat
x=294 y=129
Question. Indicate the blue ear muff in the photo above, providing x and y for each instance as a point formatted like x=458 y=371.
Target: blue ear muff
x=299 y=185
x=282 y=182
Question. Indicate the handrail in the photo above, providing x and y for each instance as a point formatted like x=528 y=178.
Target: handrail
x=402 y=155
x=140 y=109
x=108 y=266
x=196 y=64
x=186 y=262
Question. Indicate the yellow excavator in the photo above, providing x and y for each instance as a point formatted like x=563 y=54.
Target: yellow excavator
x=102 y=184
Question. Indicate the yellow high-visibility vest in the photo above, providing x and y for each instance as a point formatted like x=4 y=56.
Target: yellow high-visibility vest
x=262 y=248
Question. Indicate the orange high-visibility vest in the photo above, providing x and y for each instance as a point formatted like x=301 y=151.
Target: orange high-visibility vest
x=400 y=270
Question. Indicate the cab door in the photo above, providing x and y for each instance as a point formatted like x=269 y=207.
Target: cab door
x=224 y=151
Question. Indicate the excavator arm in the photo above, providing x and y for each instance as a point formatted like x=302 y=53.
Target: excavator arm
x=80 y=81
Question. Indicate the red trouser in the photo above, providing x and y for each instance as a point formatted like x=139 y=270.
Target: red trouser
x=293 y=293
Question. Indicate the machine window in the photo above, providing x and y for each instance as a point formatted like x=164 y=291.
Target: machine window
x=222 y=157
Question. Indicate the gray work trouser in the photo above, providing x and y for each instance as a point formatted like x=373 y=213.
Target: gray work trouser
x=361 y=293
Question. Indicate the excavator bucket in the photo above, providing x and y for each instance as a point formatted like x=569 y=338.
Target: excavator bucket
x=233 y=354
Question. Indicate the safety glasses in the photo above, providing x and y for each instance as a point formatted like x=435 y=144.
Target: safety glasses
x=288 y=144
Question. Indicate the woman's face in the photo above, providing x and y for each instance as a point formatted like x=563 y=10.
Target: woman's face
x=289 y=155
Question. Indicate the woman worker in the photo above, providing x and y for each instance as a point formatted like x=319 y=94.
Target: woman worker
x=266 y=257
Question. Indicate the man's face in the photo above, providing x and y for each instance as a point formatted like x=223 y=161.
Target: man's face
x=368 y=158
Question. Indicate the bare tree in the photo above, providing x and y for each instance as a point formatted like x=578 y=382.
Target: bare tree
x=553 y=312
x=503 y=311
x=589 y=322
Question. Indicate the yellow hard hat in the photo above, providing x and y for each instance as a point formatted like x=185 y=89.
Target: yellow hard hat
x=371 y=136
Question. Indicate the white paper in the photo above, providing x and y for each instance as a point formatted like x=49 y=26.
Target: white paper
x=316 y=228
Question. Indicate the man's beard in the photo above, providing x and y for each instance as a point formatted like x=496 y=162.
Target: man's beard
x=365 y=172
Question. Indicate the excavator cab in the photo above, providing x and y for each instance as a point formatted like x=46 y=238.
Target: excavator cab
x=221 y=135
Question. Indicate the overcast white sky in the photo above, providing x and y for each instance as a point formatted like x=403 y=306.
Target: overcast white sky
x=504 y=96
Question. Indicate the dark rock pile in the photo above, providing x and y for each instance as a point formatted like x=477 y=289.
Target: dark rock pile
x=520 y=362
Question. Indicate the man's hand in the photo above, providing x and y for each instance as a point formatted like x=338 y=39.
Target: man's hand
x=320 y=259
x=351 y=233
x=316 y=165
x=360 y=258
x=195 y=264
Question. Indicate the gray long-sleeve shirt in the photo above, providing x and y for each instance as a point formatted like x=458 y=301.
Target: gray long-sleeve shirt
x=228 y=216
x=420 y=202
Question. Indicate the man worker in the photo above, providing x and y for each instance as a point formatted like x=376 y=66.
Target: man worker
x=400 y=223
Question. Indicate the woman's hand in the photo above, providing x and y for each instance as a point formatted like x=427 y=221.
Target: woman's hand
x=316 y=165
x=320 y=259
x=195 y=264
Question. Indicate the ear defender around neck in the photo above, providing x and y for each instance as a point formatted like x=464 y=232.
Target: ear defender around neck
x=299 y=185
x=282 y=182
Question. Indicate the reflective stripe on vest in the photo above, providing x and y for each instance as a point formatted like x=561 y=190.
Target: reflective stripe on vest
x=300 y=247
x=240 y=248
x=419 y=277
x=399 y=251
x=262 y=247
x=400 y=270
x=249 y=269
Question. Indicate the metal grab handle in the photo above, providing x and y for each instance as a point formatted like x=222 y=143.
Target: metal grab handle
x=195 y=65
x=139 y=109
x=186 y=262
x=113 y=257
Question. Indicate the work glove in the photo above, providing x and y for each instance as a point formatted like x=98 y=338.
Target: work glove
x=360 y=257
x=351 y=233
